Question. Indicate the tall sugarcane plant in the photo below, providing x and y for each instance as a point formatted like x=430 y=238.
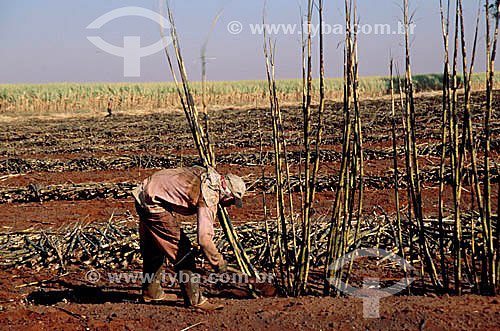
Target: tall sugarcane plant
x=201 y=140
x=295 y=259
x=493 y=252
x=303 y=262
x=286 y=260
x=311 y=168
x=399 y=235
x=468 y=141
x=351 y=168
x=445 y=25
x=466 y=256
x=412 y=164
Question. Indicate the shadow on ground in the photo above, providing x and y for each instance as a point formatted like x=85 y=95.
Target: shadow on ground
x=83 y=294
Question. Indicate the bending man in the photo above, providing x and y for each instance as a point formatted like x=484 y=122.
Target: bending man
x=186 y=191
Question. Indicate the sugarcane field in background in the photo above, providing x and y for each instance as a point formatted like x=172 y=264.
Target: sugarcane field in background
x=402 y=168
x=90 y=98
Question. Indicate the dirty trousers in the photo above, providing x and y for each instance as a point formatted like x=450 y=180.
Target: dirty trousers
x=161 y=236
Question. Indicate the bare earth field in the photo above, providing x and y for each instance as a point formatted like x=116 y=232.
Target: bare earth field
x=58 y=171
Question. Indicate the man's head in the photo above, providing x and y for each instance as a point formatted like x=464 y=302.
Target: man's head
x=237 y=187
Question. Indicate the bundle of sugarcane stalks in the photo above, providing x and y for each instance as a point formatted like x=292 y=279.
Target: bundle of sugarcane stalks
x=18 y=165
x=351 y=174
x=12 y=166
x=295 y=262
x=200 y=134
x=151 y=161
x=68 y=192
x=114 y=243
x=293 y=183
x=110 y=244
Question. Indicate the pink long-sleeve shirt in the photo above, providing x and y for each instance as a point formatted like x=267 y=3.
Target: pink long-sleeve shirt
x=186 y=191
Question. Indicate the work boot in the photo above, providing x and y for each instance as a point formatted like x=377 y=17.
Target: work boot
x=152 y=291
x=193 y=297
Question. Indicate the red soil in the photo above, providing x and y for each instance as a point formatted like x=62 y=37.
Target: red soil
x=70 y=302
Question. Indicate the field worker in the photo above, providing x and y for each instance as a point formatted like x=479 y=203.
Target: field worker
x=186 y=191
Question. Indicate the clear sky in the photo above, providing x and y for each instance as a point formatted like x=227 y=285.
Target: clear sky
x=46 y=41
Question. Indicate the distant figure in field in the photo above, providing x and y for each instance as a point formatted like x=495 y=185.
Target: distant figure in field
x=110 y=104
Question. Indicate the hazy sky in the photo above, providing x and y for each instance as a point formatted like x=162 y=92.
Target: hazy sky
x=46 y=41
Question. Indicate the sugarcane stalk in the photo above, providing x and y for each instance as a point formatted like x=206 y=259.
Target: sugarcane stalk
x=203 y=56
x=490 y=72
x=468 y=132
x=303 y=265
x=498 y=234
x=287 y=168
x=281 y=158
x=279 y=145
x=277 y=164
x=474 y=192
x=396 y=171
x=349 y=189
x=200 y=138
x=456 y=166
x=357 y=155
x=414 y=174
x=336 y=236
x=264 y=201
x=359 y=132
x=407 y=165
x=347 y=211
x=491 y=85
x=446 y=104
x=185 y=105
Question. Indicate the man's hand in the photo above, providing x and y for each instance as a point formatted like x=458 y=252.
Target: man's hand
x=222 y=267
